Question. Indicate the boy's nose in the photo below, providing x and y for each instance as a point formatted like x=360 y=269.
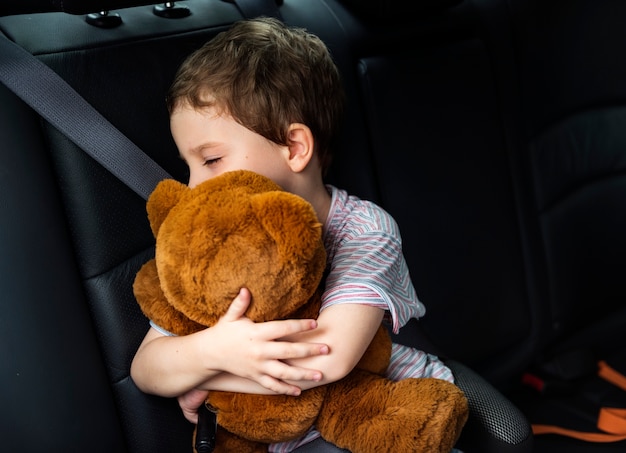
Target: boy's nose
x=194 y=179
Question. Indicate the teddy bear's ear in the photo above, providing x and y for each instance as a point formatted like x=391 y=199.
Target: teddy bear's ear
x=166 y=195
x=290 y=220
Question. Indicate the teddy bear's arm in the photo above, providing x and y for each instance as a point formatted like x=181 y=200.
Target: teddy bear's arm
x=155 y=305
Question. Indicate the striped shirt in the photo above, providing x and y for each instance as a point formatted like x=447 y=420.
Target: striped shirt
x=367 y=267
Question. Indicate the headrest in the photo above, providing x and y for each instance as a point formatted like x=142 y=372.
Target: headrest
x=94 y=6
x=25 y=7
x=396 y=9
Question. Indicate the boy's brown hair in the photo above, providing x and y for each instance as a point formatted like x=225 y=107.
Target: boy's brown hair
x=266 y=76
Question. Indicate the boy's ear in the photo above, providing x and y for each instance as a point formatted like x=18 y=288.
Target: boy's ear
x=301 y=146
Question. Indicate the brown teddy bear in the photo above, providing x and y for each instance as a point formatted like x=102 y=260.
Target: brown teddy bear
x=241 y=230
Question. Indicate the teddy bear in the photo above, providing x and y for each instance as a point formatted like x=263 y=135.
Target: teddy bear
x=238 y=230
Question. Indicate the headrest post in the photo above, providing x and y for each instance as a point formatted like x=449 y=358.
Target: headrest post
x=171 y=10
x=104 y=19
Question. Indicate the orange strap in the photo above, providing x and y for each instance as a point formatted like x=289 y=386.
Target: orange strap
x=611 y=375
x=610 y=420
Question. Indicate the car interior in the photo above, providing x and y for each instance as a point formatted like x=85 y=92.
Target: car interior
x=493 y=131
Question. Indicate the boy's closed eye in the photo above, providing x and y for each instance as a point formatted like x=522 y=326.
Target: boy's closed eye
x=211 y=161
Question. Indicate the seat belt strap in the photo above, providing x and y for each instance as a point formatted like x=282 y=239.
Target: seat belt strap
x=59 y=104
x=611 y=421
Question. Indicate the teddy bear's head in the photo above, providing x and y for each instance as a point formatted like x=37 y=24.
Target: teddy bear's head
x=236 y=230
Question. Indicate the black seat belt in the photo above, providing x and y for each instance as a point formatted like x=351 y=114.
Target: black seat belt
x=59 y=104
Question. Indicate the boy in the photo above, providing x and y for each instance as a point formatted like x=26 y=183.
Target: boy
x=267 y=98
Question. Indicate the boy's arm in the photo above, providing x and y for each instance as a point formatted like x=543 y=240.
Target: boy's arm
x=347 y=329
x=171 y=366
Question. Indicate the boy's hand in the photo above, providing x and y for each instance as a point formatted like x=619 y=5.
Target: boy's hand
x=190 y=402
x=253 y=351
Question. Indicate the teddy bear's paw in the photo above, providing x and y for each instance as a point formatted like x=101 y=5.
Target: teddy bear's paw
x=267 y=419
x=436 y=412
x=411 y=415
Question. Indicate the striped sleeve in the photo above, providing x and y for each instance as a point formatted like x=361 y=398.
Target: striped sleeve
x=407 y=362
x=161 y=330
x=369 y=268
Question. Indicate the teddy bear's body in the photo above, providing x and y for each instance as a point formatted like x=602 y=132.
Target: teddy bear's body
x=241 y=230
